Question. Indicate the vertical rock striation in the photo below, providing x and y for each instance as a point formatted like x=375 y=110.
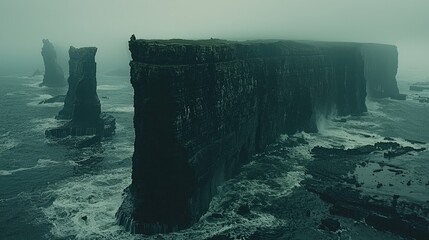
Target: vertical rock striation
x=54 y=75
x=203 y=107
x=82 y=104
x=82 y=68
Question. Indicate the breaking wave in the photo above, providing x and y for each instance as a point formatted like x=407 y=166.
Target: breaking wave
x=41 y=163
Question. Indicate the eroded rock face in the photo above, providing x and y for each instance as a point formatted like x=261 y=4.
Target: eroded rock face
x=54 y=75
x=381 y=66
x=82 y=69
x=81 y=104
x=203 y=107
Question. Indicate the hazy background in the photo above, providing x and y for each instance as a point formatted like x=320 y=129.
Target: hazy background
x=108 y=24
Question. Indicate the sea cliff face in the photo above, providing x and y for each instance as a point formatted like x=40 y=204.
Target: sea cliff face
x=54 y=75
x=203 y=107
x=381 y=66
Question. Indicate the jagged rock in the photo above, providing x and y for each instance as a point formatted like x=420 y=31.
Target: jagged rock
x=401 y=151
x=89 y=142
x=81 y=103
x=330 y=224
x=393 y=150
x=243 y=210
x=54 y=75
x=324 y=152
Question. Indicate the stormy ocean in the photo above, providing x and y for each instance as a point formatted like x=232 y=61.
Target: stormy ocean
x=49 y=190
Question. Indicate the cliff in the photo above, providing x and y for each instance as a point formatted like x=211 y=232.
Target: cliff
x=81 y=103
x=381 y=66
x=203 y=107
x=54 y=75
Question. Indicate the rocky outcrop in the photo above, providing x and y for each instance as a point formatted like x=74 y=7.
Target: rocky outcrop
x=54 y=75
x=81 y=103
x=203 y=107
x=82 y=66
x=381 y=66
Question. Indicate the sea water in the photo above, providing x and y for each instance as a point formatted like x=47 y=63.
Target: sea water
x=54 y=191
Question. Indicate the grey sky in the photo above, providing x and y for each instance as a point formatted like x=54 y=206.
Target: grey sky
x=108 y=24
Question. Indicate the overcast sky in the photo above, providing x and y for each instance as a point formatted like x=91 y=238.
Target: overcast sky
x=108 y=25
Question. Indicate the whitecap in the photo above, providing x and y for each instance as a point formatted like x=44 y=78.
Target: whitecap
x=85 y=206
x=41 y=163
x=6 y=142
x=35 y=102
x=110 y=87
x=34 y=84
x=41 y=124
x=124 y=109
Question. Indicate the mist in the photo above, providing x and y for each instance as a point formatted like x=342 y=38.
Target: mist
x=108 y=24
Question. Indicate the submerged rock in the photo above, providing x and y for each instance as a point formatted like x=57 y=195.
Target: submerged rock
x=54 y=75
x=81 y=104
x=330 y=224
x=392 y=149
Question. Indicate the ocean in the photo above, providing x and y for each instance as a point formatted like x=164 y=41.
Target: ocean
x=50 y=190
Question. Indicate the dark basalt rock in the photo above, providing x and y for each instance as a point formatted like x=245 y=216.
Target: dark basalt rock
x=330 y=224
x=393 y=150
x=82 y=69
x=81 y=103
x=401 y=151
x=54 y=75
x=89 y=142
x=381 y=67
x=203 y=107
x=384 y=212
x=243 y=209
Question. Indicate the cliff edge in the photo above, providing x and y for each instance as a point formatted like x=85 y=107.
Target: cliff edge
x=203 y=107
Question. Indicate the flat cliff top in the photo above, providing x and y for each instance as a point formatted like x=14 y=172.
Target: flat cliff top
x=84 y=53
x=180 y=51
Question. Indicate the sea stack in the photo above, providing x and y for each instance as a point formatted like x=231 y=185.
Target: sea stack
x=54 y=75
x=81 y=104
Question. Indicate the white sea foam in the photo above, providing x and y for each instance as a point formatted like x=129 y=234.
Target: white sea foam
x=41 y=163
x=34 y=84
x=40 y=125
x=95 y=198
x=6 y=142
x=110 y=87
x=123 y=109
x=21 y=93
x=35 y=102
